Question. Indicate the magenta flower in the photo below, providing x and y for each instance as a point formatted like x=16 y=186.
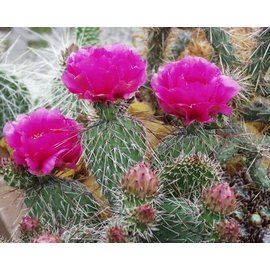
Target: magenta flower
x=195 y=89
x=44 y=140
x=104 y=74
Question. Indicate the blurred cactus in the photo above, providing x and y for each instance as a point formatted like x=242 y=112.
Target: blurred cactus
x=259 y=62
x=157 y=37
x=87 y=36
x=14 y=98
x=224 y=50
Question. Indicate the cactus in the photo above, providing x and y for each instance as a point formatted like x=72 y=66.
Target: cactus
x=86 y=36
x=191 y=140
x=224 y=50
x=178 y=222
x=218 y=202
x=112 y=145
x=260 y=62
x=188 y=175
x=156 y=46
x=17 y=177
x=61 y=202
x=14 y=99
x=258 y=110
x=60 y=97
x=181 y=194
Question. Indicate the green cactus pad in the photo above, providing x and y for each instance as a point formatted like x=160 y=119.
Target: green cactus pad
x=14 y=99
x=260 y=61
x=18 y=177
x=61 y=203
x=111 y=147
x=221 y=42
x=188 y=175
x=182 y=142
x=178 y=222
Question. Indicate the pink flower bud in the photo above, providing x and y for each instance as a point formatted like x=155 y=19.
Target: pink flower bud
x=140 y=181
x=220 y=199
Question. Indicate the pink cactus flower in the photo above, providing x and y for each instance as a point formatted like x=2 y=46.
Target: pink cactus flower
x=104 y=74
x=47 y=238
x=44 y=140
x=194 y=89
x=28 y=224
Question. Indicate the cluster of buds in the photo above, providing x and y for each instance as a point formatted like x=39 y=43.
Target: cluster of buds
x=140 y=181
x=220 y=199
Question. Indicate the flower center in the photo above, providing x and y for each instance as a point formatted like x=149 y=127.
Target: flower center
x=37 y=135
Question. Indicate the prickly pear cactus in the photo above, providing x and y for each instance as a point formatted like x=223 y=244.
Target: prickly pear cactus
x=206 y=180
x=112 y=145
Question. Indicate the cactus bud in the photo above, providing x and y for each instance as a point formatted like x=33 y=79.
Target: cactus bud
x=28 y=224
x=47 y=238
x=256 y=220
x=229 y=230
x=220 y=199
x=116 y=234
x=145 y=214
x=140 y=181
